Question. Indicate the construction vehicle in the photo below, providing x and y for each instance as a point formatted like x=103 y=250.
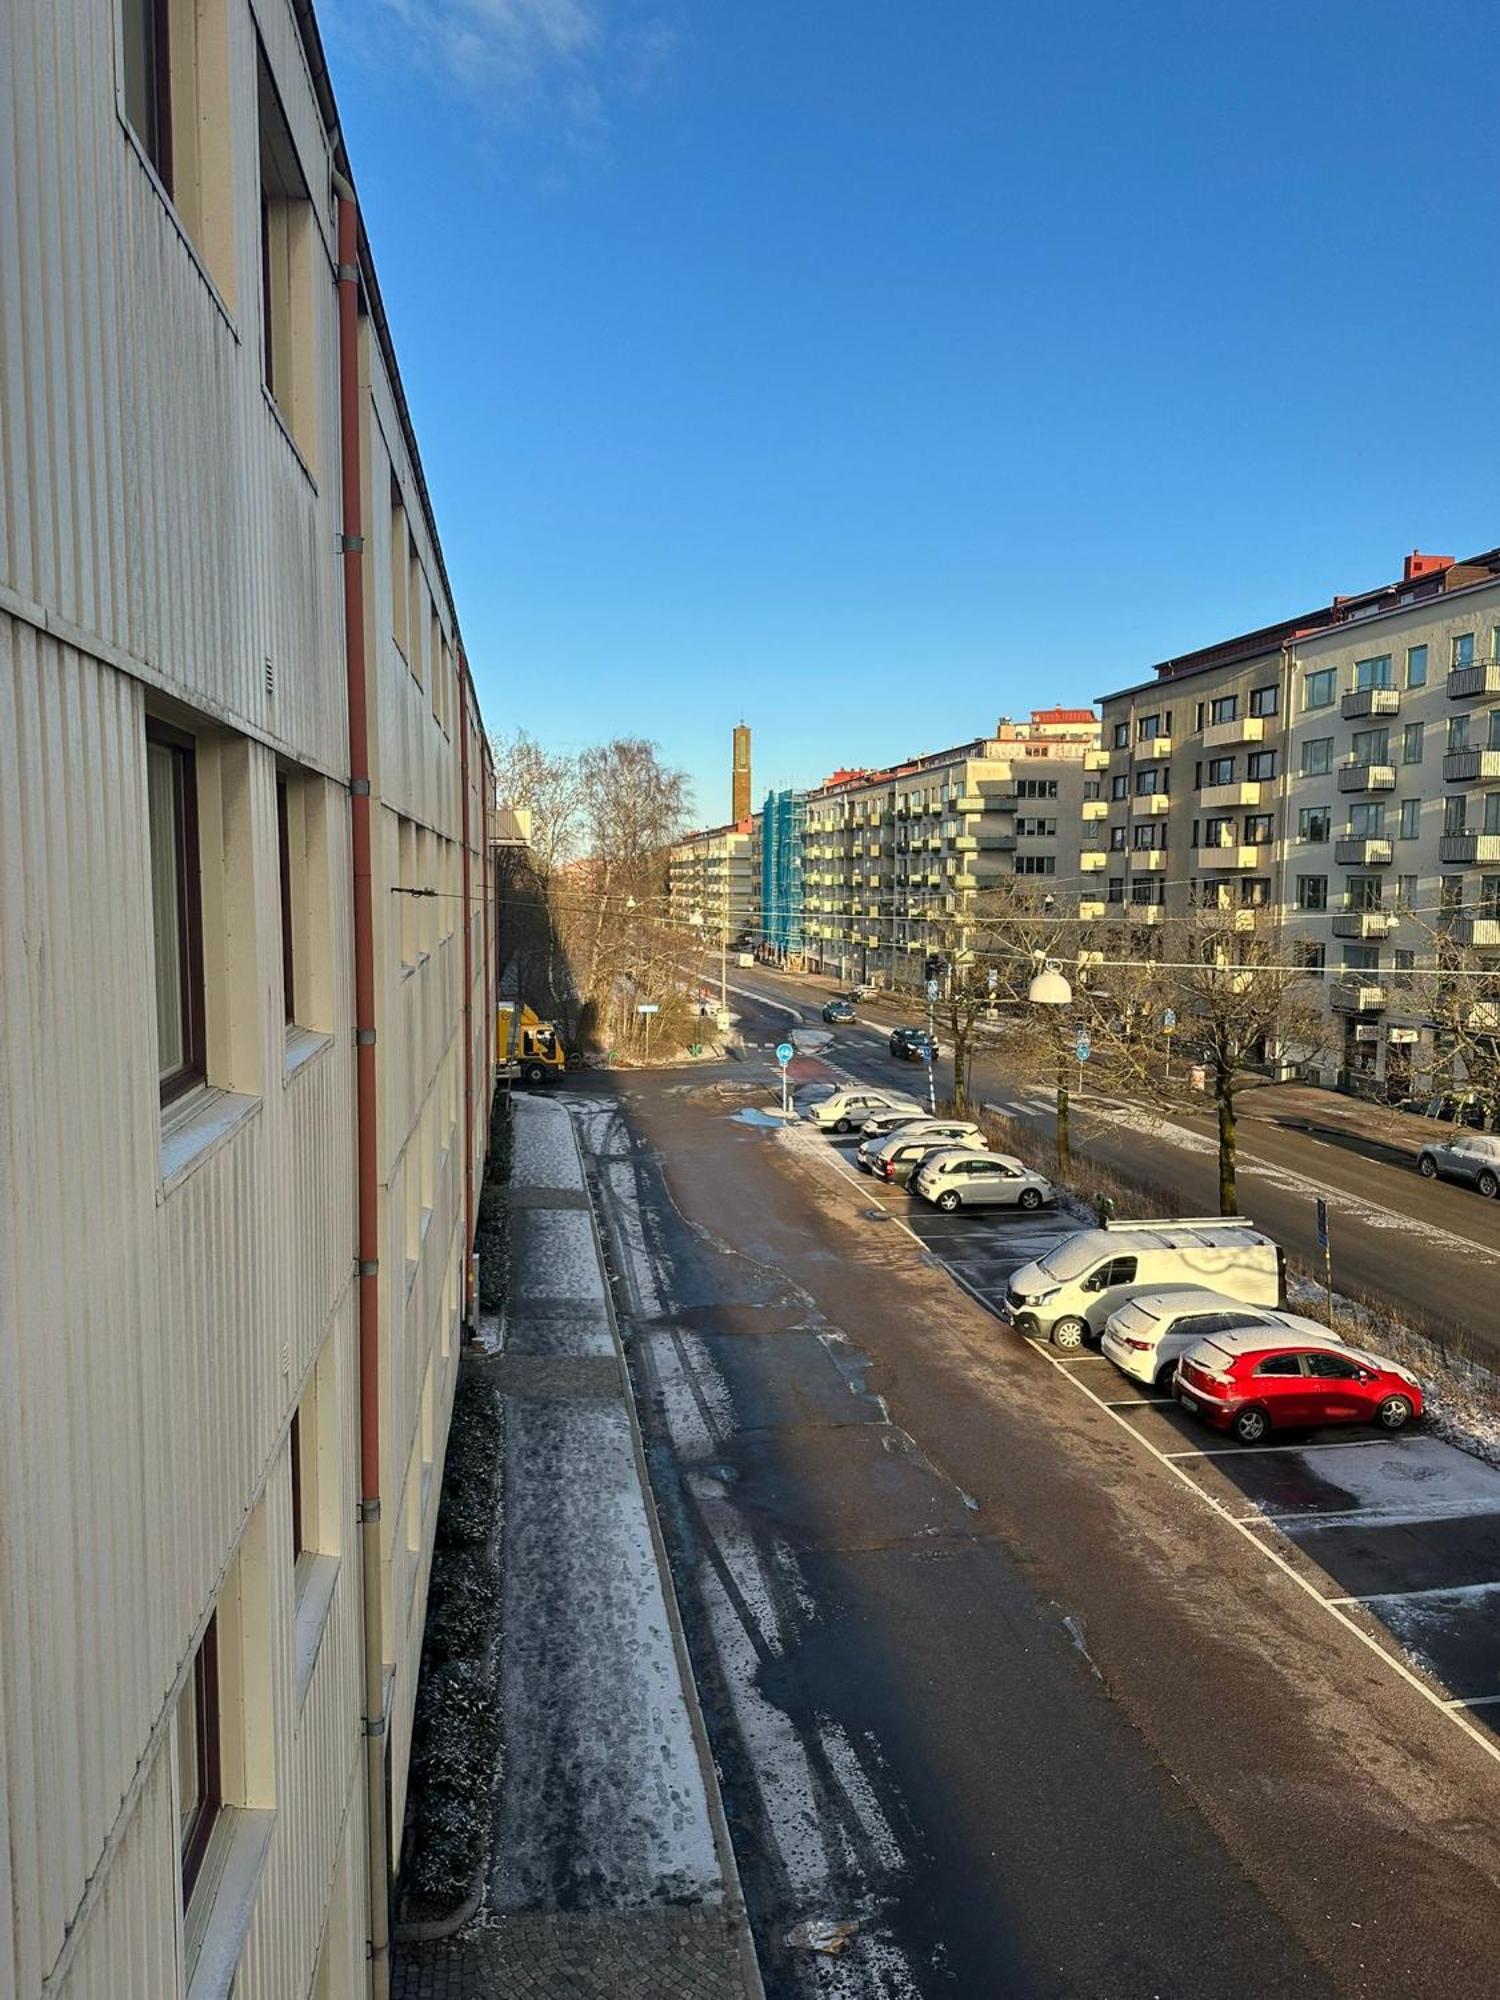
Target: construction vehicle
x=527 y=1046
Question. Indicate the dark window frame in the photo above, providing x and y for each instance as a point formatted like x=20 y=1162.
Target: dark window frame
x=294 y=1450
x=198 y=1830
x=156 y=31
x=194 y=1067
x=284 y=872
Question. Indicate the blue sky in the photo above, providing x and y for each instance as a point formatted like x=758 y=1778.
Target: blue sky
x=871 y=370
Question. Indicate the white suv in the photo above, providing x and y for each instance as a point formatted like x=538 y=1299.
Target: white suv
x=1146 y=1336
x=847 y=1108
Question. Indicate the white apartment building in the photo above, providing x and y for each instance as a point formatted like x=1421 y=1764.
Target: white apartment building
x=245 y=1075
x=889 y=856
x=712 y=881
x=1336 y=775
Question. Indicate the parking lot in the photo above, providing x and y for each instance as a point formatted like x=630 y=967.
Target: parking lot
x=1397 y=1537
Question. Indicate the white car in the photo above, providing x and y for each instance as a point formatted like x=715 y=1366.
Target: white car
x=980 y=1180
x=934 y=1133
x=847 y=1108
x=1146 y=1337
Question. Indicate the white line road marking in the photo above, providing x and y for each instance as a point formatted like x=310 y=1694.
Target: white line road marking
x=1246 y=1450
x=1126 y=1403
x=1415 y=1596
x=1473 y=1701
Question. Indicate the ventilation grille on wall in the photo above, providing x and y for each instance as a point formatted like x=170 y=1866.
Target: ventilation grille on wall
x=270 y=682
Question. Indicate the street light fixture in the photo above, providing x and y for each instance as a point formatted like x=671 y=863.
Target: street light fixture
x=1048 y=988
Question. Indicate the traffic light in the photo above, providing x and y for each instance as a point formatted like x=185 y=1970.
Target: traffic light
x=933 y=968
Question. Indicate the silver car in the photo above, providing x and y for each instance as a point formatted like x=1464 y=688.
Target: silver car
x=1472 y=1157
x=897 y=1158
x=980 y=1180
x=884 y=1125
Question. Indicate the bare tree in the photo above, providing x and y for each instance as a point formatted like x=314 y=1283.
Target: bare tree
x=547 y=787
x=1454 y=991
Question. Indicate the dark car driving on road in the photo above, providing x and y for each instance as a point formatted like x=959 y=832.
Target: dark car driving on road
x=914 y=1045
x=840 y=1012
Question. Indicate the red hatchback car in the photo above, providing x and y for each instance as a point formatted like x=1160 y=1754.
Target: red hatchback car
x=1250 y=1384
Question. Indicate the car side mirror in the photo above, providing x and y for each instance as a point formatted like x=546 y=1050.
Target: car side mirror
x=1365 y=1374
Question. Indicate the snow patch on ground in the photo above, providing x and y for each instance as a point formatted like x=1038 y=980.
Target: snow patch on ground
x=604 y=1806
x=553 y=1256
x=1414 y=1479
x=545 y=1155
x=1422 y=1620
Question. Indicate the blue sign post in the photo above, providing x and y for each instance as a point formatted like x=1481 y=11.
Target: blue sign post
x=1083 y=1046
x=784 y=1054
x=1323 y=1244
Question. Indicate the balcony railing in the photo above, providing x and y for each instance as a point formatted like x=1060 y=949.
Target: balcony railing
x=1151 y=859
x=1356 y=853
x=1363 y=923
x=1230 y=854
x=1461 y=767
x=1479 y=933
x=1095 y=809
x=1092 y=860
x=1090 y=910
x=1370 y=701
x=1362 y=777
x=1247 y=793
x=1151 y=749
x=1464 y=849
x=1244 y=729
x=1480 y=681
x=1355 y=996
x=1149 y=802
x=1096 y=760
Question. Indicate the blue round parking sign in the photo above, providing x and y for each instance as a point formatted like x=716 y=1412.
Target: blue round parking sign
x=1083 y=1046
x=784 y=1053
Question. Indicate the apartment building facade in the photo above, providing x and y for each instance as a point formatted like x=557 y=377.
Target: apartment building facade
x=244 y=1036
x=1336 y=776
x=892 y=858
x=711 y=880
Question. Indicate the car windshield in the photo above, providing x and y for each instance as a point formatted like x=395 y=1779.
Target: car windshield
x=1071 y=1258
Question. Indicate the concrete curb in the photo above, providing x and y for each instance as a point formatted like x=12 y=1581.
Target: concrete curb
x=734 y=1894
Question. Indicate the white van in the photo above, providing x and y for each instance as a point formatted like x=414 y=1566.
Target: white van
x=1147 y=1335
x=1069 y=1294
x=852 y=1106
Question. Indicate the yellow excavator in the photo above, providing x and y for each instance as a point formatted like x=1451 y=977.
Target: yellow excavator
x=526 y=1046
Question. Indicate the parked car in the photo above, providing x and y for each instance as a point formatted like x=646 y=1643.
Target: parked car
x=1069 y=1294
x=1149 y=1334
x=1253 y=1382
x=883 y=1126
x=838 y=1012
x=965 y=1179
x=914 y=1044
x=846 y=1108
x=1471 y=1157
x=1463 y=1107
x=903 y=1154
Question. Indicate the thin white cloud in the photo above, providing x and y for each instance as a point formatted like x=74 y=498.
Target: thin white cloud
x=566 y=56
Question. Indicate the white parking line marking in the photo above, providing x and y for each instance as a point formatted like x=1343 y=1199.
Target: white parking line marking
x=1415 y=1596
x=1245 y=1450
x=1473 y=1701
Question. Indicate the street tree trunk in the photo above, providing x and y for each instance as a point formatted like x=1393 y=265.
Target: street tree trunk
x=960 y=1071
x=1064 y=1145
x=1224 y=1104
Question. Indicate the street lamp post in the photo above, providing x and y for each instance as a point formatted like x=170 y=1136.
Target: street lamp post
x=1050 y=989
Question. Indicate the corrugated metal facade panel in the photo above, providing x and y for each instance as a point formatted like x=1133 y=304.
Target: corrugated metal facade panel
x=156 y=520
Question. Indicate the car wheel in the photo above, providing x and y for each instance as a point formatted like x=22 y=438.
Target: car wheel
x=534 y=1073
x=1070 y=1334
x=1165 y=1377
x=842 y=1125
x=1489 y=1187
x=948 y=1201
x=1251 y=1425
x=1030 y=1198
x=1394 y=1414
x=1427 y=1167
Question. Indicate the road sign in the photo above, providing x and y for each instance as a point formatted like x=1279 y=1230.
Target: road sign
x=932 y=989
x=992 y=979
x=1322 y=1223
x=1082 y=1046
x=784 y=1053
x=647 y=1007
x=1169 y=1019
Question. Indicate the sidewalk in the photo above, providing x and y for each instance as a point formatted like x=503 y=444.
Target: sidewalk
x=610 y=1869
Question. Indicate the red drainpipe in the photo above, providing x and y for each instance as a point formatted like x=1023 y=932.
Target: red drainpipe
x=470 y=1302
x=365 y=1100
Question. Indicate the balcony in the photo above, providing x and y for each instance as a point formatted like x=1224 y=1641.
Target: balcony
x=1095 y=809
x=1360 y=777
x=964 y=881
x=1151 y=859
x=1092 y=860
x=1478 y=682
x=1352 y=853
x=1464 y=849
x=1152 y=749
x=1224 y=735
x=1361 y=702
x=1140 y=913
x=1461 y=766
x=1352 y=996
x=1096 y=760
x=1478 y=933
x=1211 y=797
x=984 y=802
x=1231 y=855
x=1149 y=802
x=996 y=843
x=1363 y=923
x=1090 y=912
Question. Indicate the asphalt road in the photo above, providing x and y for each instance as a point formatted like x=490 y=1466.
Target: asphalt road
x=986 y=1673
x=1431 y=1249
